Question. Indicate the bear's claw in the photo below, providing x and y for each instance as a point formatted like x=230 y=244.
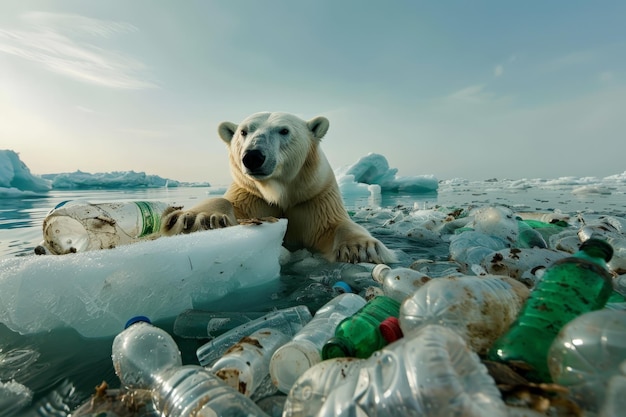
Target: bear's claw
x=370 y=251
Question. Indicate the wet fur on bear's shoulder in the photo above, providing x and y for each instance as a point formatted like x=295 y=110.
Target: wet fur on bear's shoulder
x=279 y=170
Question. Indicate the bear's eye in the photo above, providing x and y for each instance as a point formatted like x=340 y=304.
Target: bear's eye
x=284 y=131
x=244 y=132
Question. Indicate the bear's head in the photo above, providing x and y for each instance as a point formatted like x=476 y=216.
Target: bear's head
x=272 y=146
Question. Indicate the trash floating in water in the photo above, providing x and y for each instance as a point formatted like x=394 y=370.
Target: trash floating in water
x=519 y=263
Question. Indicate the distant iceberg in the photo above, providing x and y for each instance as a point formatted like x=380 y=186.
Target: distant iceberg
x=16 y=178
x=118 y=179
x=372 y=174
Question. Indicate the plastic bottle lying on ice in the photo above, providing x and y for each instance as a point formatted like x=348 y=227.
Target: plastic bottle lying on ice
x=245 y=366
x=479 y=309
x=146 y=357
x=79 y=226
x=289 y=321
x=304 y=350
x=569 y=287
x=587 y=353
x=431 y=373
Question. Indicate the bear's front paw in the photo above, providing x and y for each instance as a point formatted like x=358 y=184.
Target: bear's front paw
x=176 y=221
x=365 y=250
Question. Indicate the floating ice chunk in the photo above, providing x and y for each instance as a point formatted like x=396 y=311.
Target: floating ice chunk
x=96 y=292
x=374 y=169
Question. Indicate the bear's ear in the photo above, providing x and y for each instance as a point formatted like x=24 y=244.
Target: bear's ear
x=227 y=130
x=319 y=126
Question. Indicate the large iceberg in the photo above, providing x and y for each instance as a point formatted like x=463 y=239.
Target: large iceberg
x=16 y=178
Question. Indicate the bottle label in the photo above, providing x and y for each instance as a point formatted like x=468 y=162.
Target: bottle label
x=151 y=219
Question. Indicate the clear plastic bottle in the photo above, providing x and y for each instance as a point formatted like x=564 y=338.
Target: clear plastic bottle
x=245 y=366
x=431 y=373
x=359 y=335
x=146 y=357
x=79 y=226
x=615 y=400
x=480 y=309
x=586 y=353
x=529 y=237
x=304 y=350
x=569 y=288
x=200 y=324
x=398 y=283
x=288 y=320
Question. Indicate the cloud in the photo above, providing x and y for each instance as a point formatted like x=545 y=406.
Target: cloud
x=498 y=70
x=474 y=94
x=67 y=44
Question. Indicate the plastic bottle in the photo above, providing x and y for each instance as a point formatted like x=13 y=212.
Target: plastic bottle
x=615 y=400
x=528 y=237
x=79 y=226
x=146 y=357
x=398 y=283
x=288 y=320
x=569 y=287
x=304 y=350
x=359 y=335
x=431 y=373
x=586 y=353
x=245 y=366
x=479 y=309
x=200 y=324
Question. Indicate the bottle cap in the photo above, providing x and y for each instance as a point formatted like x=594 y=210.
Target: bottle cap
x=390 y=329
x=342 y=287
x=137 y=319
x=378 y=271
x=338 y=347
x=598 y=247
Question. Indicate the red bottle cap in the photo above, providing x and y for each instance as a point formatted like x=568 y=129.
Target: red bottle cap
x=390 y=329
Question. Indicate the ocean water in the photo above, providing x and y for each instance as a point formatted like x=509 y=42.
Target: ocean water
x=61 y=368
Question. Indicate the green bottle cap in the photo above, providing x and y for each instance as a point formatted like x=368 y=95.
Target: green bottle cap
x=338 y=347
x=597 y=248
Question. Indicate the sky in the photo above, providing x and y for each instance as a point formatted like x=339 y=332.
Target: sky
x=454 y=89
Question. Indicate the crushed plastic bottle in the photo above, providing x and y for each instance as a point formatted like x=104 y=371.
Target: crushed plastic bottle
x=79 y=226
x=245 y=366
x=146 y=357
x=431 y=373
x=569 y=287
x=587 y=353
x=288 y=320
x=359 y=335
x=480 y=309
x=296 y=356
x=398 y=283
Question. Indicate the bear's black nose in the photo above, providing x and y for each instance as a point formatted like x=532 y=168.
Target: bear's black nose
x=253 y=159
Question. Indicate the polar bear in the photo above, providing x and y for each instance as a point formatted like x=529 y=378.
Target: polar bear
x=279 y=170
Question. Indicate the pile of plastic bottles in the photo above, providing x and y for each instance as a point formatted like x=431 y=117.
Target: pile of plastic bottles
x=526 y=318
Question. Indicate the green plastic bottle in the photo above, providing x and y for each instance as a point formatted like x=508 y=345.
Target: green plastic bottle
x=359 y=336
x=569 y=287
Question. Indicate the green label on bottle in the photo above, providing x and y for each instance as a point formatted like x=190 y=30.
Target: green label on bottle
x=151 y=219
